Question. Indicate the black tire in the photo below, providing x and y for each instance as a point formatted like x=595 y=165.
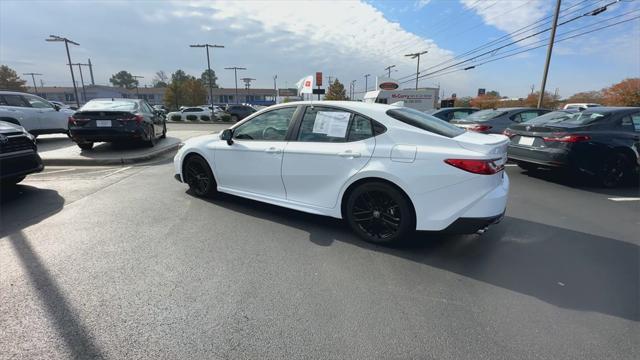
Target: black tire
x=198 y=175
x=85 y=145
x=152 y=137
x=380 y=213
x=164 y=131
x=614 y=170
x=234 y=118
x=11 y=182
x=527 y=166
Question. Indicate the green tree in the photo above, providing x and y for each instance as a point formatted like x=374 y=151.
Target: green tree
x=463 y=102
x=9 y=80
x=493 y=93
x=184 y=90
x=336 y=91
x=123 y=79
x=550 y=100
x=180 y=76
x=194 y=92
x=209 y=74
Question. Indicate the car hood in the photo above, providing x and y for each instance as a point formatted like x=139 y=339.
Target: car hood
x=7 y=127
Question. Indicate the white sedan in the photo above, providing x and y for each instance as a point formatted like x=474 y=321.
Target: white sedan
x=190 y=114
x=387 y=170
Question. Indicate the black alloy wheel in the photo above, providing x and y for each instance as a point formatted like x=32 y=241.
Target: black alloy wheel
x=152 y=136
x=380 y=213
x=614 y=170
x=197 y=174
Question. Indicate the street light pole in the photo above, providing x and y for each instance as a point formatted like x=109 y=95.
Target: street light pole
x=55 y=38
x=388 y=68
x=275 y=89
x=413 y=56
x=84 y=93
x=137 y=91
x=33 y=77
x=366 y=82
x=235 y=72
x=247 y=86
x=207 y=46
x=353 y=89
x=549 y=50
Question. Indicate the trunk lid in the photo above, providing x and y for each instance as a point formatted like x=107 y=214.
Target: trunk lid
x=487 y=144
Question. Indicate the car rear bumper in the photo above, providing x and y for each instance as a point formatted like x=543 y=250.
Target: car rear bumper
x=541 y=156
x=19 y=164
x=472 y=225
x=107 y=134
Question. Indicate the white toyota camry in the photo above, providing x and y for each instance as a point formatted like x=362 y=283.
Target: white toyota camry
x=386 y=170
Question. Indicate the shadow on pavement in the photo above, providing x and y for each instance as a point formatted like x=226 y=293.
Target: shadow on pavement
x=24 y=205
x=631 y=188
x=63 y=317
x=566 y=268
x=53 y=142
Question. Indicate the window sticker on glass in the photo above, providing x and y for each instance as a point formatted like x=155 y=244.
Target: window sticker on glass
x=331 y=123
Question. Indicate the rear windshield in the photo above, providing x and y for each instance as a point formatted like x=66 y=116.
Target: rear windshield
x=484 y=115
x=549 y=118
x=586 y=118
x=425 y=122
x=122 y=105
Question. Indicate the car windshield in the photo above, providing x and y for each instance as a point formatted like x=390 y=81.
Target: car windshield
x=585 y=118
x=549 y=118
x=122 y=105
x=484 y=115
x=425 y=122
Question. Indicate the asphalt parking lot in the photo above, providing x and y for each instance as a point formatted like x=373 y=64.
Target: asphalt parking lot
x=121 y=262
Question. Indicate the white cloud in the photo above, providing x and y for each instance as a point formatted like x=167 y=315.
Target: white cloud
x=419 y=4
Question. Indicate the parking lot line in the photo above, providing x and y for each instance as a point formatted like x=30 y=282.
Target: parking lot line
x=625 y=199
x=52 y=172
x=117 y=171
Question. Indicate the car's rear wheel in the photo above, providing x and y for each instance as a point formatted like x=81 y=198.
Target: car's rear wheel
x=152 y=137
x=614 y=170
x=380 y=213
x=197 y=174
x=85 y=145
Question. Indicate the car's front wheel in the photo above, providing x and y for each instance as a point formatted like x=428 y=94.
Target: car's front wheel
x=164 y=131
x=85 y=145
x=380 y=213
x=197 y=174
x=614 y=170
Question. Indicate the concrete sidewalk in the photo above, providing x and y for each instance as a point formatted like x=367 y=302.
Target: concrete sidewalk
x=60 y=150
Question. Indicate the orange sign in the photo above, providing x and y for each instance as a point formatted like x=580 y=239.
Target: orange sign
x=318 y=79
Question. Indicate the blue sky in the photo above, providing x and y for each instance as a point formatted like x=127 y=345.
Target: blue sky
x=344 y=39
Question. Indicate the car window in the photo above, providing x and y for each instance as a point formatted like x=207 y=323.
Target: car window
x=460 y=114
x=360 y=128
x=271 y=126
x=12 y=100
x=550 y=118
x=119 y=105
x=192 y=110
x=484 y=115
x=525 y=116
x=586 y=117
x=37 y=103
x=425 y=122
x=635 y=120
x=320 y=124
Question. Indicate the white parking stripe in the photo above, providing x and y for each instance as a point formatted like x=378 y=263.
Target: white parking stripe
x=625 y=199
x=117 y=171
x=51 y=172
x=510 y=165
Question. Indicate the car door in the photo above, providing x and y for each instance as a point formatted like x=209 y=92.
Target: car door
x=150 y=114
x=21 y=110
x=330 y=146
x=46 y=115
x=253 y=161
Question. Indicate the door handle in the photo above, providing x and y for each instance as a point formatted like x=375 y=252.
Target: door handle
x=273 y=150
x=349 y=154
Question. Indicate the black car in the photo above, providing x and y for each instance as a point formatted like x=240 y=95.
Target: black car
x=239 y=112
x=603 y=142
x=495 y=121
x=448 y=114
x=116 y=120
x=18 y=154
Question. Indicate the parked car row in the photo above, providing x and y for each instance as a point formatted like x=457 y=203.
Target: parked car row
x=18 y=154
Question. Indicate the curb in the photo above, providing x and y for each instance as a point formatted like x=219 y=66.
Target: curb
x=111 y=161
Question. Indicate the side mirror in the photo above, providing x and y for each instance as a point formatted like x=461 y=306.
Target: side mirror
x=56 y=107
x=227 y=135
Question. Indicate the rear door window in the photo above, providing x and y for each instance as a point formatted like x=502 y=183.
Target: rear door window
x=425 y=122
x=360 y=128
x=525 y=116
x=13 y=100
x=320 y=124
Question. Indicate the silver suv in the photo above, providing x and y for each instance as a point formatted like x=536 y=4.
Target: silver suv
x=35 y=114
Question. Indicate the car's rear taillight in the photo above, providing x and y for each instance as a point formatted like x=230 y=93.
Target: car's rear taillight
x=137 y=118
x=479 y=128
x=476 y=166
x=508 y=133
x=75 y=120
x=567 y=138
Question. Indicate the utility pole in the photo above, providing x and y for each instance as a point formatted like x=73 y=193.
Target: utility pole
x=366 y=82
x=388 y=68
x=235 y=72
x=84 y=93
x=91 y=71
x=413 y=56
x=353 y=89
x=329 y=78
x=247 y=86
x=55 y=38
x=275 y=89
x=533 y=87
x=137 y=91
x=549 y=50
x=33 y=77
x=207 y=46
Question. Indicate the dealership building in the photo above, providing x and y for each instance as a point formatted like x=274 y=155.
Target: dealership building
x=155 y=96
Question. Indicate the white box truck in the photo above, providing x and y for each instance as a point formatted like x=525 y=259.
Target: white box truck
x=387 y=93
